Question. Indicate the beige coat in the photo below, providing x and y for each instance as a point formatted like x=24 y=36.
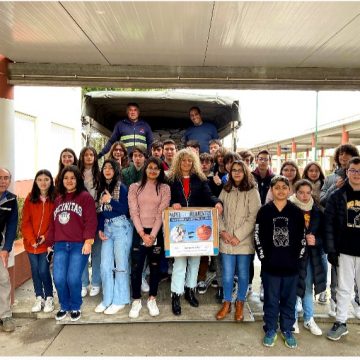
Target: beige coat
x=238 y=219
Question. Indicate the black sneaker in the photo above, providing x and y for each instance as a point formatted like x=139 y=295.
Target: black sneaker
x=75 y=315
x=201 y=287
x=61 y=314
x=214 y=283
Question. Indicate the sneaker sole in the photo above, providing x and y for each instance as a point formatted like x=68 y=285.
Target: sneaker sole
x=75 y=319
x=287 y=345
x=201 y=292
x=338 y=338
x=60 y=318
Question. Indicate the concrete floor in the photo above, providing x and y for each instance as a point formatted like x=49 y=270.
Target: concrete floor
x=194 y=333
x=43 y=337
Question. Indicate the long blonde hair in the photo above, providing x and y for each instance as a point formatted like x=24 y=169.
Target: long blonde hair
x=175 y=170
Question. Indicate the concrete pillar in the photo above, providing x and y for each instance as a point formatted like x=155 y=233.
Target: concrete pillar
x=293 y=150
x=307 y=156
x=7 y=143
x=344 y=136
x=313 y=148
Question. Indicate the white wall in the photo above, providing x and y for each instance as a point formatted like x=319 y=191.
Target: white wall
x=58 y=125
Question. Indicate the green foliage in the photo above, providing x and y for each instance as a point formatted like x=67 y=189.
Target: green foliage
x=20 y=202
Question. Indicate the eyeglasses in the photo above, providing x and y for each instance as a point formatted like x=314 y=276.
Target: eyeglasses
x=354 y=172
x=263 y=159
x=237 y=171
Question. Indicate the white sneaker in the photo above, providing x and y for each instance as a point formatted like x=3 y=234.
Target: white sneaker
x=83 y=291
x=113 y=309
x=299 y=307
x=356 y=308
x=49 y=304
x=100 y=308
x=135 y=309
x=94 y=290
x=296 y=327
x=144 y=286
x=38 y=305
x=332 y=311
x=153 y=308
x=313 y=327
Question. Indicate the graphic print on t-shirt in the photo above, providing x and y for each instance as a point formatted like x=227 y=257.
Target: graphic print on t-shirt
x=353 y=214
x=281 y=232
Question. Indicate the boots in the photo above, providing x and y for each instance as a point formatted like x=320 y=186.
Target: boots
x=175 y=304
x=190 y=297
x=226 y=309
x=239 y=311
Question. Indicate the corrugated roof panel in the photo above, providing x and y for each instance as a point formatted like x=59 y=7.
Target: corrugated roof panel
x=273 y=33
x=151 y=33
x=43 y=32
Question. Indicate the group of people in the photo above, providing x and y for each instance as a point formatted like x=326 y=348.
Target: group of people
x=295 y=223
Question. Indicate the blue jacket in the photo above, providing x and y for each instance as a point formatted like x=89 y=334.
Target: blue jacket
x=8 y=219
x=131 y=134
x=203 y=134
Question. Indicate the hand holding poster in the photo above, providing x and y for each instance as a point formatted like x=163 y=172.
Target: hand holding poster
x=191 y=232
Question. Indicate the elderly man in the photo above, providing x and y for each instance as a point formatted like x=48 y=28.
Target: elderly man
x=8 y=224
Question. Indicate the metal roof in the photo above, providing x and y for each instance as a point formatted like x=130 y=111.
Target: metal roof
x=214 y=44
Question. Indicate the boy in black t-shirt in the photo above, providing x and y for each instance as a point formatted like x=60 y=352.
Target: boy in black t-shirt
x=280 y=243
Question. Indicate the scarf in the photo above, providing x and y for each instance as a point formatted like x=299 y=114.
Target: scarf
x=301 y=205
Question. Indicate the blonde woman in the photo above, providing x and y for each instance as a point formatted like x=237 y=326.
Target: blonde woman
x=189 y=188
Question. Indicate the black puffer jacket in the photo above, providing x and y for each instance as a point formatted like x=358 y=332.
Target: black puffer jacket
x=200 y=193
x=313 y=255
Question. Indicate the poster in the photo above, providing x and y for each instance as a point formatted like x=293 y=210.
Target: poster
x=191 y=232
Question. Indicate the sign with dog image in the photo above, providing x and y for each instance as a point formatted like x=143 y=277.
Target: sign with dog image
x=191 y=232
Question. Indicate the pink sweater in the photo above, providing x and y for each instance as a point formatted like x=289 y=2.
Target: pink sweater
x=147 y=206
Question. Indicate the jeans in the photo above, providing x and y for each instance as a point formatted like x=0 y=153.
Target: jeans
x=279 y=299
x=240 y=264
x=307 y=300
x=185 y=272
x=41 y=277
x=116 y=249
x=139 y=254
x=95 y=264
x=69 y=264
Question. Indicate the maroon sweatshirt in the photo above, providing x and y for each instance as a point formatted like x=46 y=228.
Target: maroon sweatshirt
x=74 y=219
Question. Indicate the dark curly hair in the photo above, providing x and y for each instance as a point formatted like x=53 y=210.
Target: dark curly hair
x=347 y=149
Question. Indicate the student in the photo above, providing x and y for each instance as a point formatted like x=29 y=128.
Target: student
x=263 y=175
x=290 y=170
x=71 y=232
x=314 y=173
x=189 y=188
x=336 y=180
x=229 y=158
x=147 y=200
x=157 y=149
x=132 y=174
x=194 y=145
x=241 y=203
x=169 y=152
x=37 y=211
x=312 y=273
x=247 y=156
x=8 y=224
x=214 y=145
x=342 y=234
x=279 y=243
x=89 y=168
x=206 y=162
x=67 y=158
x=119 y=153
x=115 y=231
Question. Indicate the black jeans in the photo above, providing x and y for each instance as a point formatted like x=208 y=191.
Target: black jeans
x=139 y=253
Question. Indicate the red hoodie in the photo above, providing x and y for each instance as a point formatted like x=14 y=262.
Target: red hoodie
x=35 y=222
x=74 y=219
